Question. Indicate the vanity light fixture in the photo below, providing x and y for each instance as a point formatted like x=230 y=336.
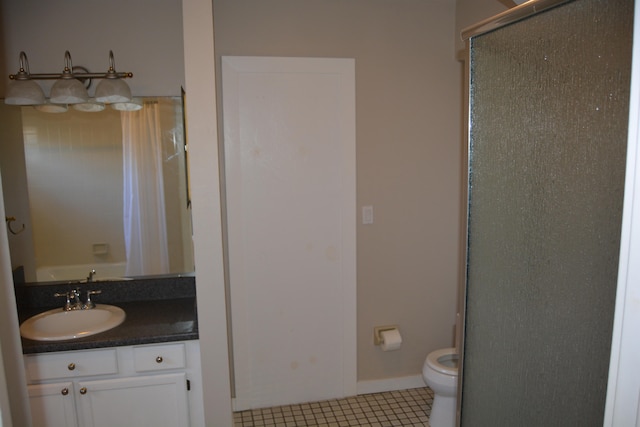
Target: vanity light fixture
x=112 y=88
x=48 y=107
x=134 y=105
x=69 y=87
x=22 y=90
x=91 y=106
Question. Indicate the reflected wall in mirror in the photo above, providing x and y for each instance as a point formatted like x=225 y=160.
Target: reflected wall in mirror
x=106 y=191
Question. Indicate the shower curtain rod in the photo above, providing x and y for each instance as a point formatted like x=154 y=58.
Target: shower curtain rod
x=510 y=16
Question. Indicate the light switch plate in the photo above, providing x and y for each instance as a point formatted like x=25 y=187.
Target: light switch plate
x=367 y=214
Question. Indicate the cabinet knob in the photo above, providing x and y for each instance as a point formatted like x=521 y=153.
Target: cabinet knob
x=83 y=390
x=159 y=359
x=71 y=366
x=64 y=391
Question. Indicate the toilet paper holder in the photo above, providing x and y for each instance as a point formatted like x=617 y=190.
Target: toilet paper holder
x=377 y=333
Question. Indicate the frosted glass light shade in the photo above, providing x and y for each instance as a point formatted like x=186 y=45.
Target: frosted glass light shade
x=24 y=92
x=111 y=90
x=51 y=108
x=133 y=105
x=91 y=106
x=68 y=91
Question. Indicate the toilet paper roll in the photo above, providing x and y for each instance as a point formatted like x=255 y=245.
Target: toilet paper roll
x=391 y=340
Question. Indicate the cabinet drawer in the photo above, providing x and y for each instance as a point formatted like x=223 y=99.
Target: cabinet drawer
x=159 y=357
x=71 y=364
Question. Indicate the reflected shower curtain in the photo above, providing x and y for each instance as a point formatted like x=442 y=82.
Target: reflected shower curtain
x=145 y=228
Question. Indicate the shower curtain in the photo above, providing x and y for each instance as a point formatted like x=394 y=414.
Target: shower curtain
x=145 y=228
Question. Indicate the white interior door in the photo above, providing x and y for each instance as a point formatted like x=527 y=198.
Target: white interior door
x=290 y=191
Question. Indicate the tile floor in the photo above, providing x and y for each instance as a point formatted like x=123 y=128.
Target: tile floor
x=394 y=408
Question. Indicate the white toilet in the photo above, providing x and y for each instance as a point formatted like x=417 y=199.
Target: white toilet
x=440 y=372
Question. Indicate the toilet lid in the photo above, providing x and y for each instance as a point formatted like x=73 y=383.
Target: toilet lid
x=444 y=361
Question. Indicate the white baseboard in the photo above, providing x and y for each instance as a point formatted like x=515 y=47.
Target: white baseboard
x=390 y=384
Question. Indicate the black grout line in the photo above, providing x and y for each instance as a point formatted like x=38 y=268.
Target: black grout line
x=402 y=408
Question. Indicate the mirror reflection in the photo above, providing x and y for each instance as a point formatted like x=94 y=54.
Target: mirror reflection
x=107 y=191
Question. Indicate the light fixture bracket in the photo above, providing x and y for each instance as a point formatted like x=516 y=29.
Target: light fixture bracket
x=24 y=74
x=67 y=90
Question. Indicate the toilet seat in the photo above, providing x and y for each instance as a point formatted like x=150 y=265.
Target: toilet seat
x=437 y=360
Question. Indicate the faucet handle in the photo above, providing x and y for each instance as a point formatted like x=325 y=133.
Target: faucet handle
x=67 y=295
x=88 y=303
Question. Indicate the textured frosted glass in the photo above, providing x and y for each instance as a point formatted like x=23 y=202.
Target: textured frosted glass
x=549 y=112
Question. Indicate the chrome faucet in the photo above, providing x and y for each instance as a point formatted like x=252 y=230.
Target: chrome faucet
x=73 y=300
x=67 y=305
x=91 y=274
x=88 y=305
x=75 y=296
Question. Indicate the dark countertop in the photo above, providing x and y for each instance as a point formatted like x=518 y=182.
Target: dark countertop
x=161 y=312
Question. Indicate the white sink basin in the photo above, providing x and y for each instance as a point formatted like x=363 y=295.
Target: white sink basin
x=58 y=325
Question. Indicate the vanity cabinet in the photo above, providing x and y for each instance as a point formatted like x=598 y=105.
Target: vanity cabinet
x=159 y=400
x=53 y=405
x=150 y=385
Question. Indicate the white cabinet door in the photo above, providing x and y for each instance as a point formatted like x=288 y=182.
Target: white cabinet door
x=53 y=405
x=289 y=141
x=153 y=401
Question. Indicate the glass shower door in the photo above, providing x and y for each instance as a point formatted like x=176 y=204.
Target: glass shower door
x=548 y=123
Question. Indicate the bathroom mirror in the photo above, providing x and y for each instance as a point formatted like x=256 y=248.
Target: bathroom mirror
x=106 y=191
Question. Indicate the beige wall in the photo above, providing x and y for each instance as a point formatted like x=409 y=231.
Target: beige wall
x=408 y=134
x=11 y=365
x=147 y=44
x=150 y=48
x=16 y=200
x=408 y=148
